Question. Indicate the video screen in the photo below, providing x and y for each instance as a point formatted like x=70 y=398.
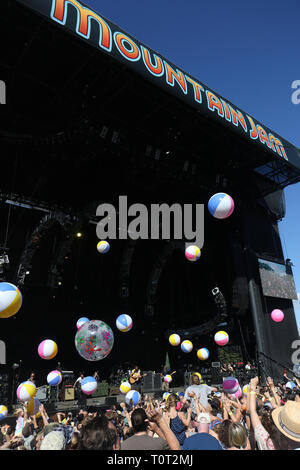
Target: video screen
x=276 y=281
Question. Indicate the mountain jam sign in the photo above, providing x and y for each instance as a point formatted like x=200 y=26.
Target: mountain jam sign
x=106 y=36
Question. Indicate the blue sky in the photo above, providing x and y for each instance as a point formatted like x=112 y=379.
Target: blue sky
x=246 y=51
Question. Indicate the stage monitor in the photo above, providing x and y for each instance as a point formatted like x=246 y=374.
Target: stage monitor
x=277 y=280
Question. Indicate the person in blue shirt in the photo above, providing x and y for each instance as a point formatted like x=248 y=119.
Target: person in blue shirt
x=202 y=440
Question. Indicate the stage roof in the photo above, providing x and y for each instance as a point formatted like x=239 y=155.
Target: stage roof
x=70 y=72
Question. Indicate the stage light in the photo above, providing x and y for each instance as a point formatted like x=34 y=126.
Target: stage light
x=79 y=235
x=27 y=272
x=59 y=283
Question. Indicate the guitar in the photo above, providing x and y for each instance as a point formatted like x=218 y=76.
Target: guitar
x=135 y=378
x=168 y=374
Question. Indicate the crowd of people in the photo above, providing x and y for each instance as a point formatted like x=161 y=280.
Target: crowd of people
x=200 y=417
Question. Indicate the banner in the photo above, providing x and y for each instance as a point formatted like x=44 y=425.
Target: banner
x=110 y=39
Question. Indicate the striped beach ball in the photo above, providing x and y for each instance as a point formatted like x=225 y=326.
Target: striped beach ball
x=89 y=385
x=124 y=323
x=125 y=387
x=33 y=406
x=168 y=379
x=166 y=395
x=186 y=346
x=192 y=253
x=47 y=349
x=245 y=389
x=221 y=338
x=174 y=340
x=134 y=396
x=230 y=385
x=221 y=205
x=238 y=393
x=81 y=322
x=3 y=412
x=26 y=391
x=203 y=354
x=103 y=246
x=10 y=300
x=54 y=378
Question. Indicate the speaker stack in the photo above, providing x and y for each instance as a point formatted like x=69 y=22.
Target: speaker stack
x=152 y=382
x=216 y=377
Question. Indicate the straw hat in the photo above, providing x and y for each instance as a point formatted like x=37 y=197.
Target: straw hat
x=287 y=419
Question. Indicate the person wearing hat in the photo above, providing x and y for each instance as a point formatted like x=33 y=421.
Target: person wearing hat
x=282 y=430
x=198 y=391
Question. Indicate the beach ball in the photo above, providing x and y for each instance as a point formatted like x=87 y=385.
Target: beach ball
x=230 y=385
x=94 y=341
x=3 y=412
x=33 y=406
x=221 y=205
x=174 y=340
x=125 y=387
x=26 y=391
x=134 y=396
x=10 y=300
x=186 y=346
x=54 y=378
x=47 y=349
x=89 y=385
x=103 y=246
x=238 y=393
x=81 y=322
x=124 y=323
x=221 y=338
x=245 y=389
x=192 y=253
x=203 y=354
x=277 y=315
x=168 y=379
x=166 y=395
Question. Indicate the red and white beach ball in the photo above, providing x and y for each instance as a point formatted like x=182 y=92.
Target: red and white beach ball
x=221 y=338
x=47 y=349
x=192 y=253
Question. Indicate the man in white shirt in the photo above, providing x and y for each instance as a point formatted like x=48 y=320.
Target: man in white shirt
x=201 y=391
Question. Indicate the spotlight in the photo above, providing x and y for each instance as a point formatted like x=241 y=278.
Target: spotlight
x=79 y=235
x=59 y=283
x=27 y=272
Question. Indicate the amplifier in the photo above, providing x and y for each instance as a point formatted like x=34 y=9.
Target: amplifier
x=69 y=393
x=152 y=382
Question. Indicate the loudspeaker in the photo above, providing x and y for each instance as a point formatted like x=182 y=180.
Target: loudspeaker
x=69 y=393
x=148 y=382
x=187 y=378
x=152 y=382
x=110 y=401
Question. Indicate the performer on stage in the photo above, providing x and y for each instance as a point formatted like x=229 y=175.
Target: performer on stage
x=96 y=376
x=80 y=395
x=32 y=378
x=135 y=379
